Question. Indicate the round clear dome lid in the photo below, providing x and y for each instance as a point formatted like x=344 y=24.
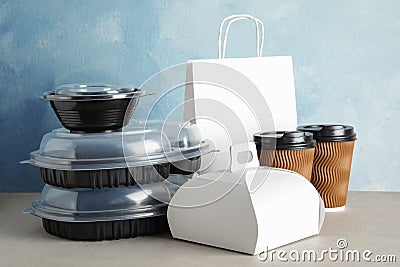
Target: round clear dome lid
x=89 y=205
x=93 y=91
x=138 y=144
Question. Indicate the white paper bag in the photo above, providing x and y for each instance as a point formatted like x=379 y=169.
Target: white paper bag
x=232 y=98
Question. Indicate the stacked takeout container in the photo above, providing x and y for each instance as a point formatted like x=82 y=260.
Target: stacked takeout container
x=107 y=177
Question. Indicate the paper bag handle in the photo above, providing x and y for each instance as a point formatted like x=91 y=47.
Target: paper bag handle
x=232 y=19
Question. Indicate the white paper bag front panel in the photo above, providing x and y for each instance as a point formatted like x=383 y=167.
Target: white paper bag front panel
x=214 y=120
x=272 y=76
x=237 y=97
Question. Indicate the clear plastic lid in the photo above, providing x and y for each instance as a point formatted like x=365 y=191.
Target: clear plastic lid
x=89 y=205
x=139 y=144
x=92 y=91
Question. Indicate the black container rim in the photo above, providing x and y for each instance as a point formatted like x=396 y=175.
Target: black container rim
x=330 y=132
x=284 y=140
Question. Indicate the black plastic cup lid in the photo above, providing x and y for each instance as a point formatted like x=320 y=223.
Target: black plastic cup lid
x=293 y=140
x=330 y=132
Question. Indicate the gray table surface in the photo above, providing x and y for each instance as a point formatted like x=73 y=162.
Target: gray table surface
x=370 y=222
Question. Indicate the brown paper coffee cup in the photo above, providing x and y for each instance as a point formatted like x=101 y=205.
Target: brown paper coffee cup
x=331 y=171
x=300 y=161
x=291 y=150
x=332 y=162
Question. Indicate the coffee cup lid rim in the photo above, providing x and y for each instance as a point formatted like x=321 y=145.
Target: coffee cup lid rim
x=284 y=140
x=330 y=132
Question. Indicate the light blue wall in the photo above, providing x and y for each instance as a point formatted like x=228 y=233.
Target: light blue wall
x=346 y=64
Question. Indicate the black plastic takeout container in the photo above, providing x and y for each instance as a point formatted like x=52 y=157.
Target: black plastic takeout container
x=94 y=107
x=118 y=177
x=106 y=177
x=107 y=230
x=133 y=156
x=105 y=214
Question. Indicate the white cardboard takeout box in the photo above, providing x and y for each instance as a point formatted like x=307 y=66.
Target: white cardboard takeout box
x=248 y=208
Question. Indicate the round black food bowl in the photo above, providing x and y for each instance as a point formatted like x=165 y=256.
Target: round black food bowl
x=94 y=116
x=93 y=108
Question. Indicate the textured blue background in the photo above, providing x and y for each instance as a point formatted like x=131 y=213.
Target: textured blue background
x=346 y=64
